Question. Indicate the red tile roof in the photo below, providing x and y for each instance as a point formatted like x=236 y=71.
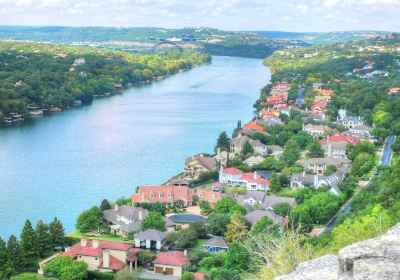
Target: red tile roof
x=198 y=276
x=253 y=126
x=115 y=264
x=152 y=194
x=254 y=178
x=232 y=171
x=216 y=184
x=88 y=250
x=176 y=258
x=342 y=138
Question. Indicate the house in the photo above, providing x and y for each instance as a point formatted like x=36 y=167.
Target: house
x=393 y=91
x=150 y=239
x=301 y=180
x=251 y=181
x=259 y=198
x=319 y=165
x=254 y=216
x=315 y=130
x=350 y=121
x=361 y=130
x=237 y=143
x=217 y=187
x=275 y=151
x=103 y=256
x=221 y=157
x=170 y=263
x=179 y=182
x=216 y=244
x=196 y=165
x=254 y=126
x=119 y=88
x=125 y=219
x=254 y=160
x=171 y=194
x=335 y=146
x=79 y=62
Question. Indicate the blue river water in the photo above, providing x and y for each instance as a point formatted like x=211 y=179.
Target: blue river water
x=67 y=162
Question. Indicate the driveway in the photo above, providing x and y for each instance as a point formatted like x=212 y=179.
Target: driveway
x=152 y=275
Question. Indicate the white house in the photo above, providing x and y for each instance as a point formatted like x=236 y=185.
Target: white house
x=315 y=130
x=361 y=130
x=301 y=180
x=350 y=121
x=150 y=239
x=249 y=180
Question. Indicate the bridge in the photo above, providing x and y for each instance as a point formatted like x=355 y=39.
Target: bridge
x=177 y=46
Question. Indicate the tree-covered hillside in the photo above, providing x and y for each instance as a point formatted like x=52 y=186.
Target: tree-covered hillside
x=45 y=76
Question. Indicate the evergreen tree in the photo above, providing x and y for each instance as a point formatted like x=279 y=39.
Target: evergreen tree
x=14 y=253
x=247 y=148
x=5 y=266
x=57 y=235
x=105 y=205
x=274 y=184
x=222 y=142
x=29 y=250
x=43 y=239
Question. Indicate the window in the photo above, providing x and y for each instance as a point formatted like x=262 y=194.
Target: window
x=152 y=195
x=201 y=194
x=96 y=258
x=161 y=195
x=213 y=196
x=170 y=195
x=253 y=187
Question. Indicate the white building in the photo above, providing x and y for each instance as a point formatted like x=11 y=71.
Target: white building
x=251 y=181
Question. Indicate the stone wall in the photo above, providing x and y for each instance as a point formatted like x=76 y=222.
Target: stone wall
x=373 y=259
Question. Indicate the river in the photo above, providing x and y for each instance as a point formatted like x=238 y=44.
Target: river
x=67 y=162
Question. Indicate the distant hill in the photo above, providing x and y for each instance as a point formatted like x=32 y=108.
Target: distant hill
x=210 y=40
x=320 y=38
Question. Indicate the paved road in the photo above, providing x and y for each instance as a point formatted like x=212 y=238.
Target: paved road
x=384 y=161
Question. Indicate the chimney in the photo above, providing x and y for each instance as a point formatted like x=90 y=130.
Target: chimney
x=95 y=243
x=255 y=174
x=140 y=215
x=83 y=242
x=106 y=258
x=304 y=173
x=185 y=253
x=116 y=207
x=218 y=151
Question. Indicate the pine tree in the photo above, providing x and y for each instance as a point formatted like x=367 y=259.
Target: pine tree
x=43 y=239
x=274 y=184
x=57 y=234
x=14 y=253
x=29 y=248
x=5 y=265
x=222 y=142
x=105 y=205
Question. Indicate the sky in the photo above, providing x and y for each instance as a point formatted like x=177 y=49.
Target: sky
x=281 y=15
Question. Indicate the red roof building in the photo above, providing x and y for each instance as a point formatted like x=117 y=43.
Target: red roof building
x=344 y=138
x=170 y=263
x=103 y=255
x=393 y=91
x=253 y=126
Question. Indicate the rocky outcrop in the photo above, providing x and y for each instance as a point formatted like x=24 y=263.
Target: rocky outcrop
x=374 y=259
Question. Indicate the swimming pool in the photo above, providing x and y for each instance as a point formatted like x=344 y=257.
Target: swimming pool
x=187 y=218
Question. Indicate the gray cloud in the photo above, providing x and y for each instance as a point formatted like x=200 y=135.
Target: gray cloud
x=300 y=15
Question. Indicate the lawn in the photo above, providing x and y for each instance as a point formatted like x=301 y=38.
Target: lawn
x=287 y=192
x=105 y=237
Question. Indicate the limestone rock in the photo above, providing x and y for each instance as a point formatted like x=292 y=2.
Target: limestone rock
x=326 y=267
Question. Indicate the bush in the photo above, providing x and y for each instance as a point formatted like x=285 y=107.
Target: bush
x=100 y=275
x=27 y=276
x=187 y=276
x=145 y=257
x=282 y=209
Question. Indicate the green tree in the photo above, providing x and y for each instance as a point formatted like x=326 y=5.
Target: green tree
x=5 y=265
x=14 y=253
x=291 y=152
x=274 y=184
x=154 y=221
x=247 y=149
x=222 y=142
x=57 y=235
x=237 y=258
x=187 y=276
x=90 y=220
x=315 y=150
x=43 y=239
x=65 y=268
x=363 y=147
x=228 y=205
x=300 y=219
x=330 y=169
x=205 y=207
x=216 y=223
x=185 y=238
x=27 y=276
x=105 y=205
x=263 y=225
x=236 y=229
x=199 y=228
x=29 y=249
x=282 y=209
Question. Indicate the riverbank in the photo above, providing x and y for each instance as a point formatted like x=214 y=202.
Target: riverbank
x=64 y=163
